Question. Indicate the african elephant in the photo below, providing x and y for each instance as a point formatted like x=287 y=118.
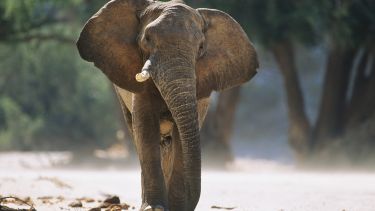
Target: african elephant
x=165 y=59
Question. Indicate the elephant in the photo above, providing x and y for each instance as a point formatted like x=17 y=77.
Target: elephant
x=164 y=60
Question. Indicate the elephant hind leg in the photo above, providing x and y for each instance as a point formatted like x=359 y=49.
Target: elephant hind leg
x=172 y=166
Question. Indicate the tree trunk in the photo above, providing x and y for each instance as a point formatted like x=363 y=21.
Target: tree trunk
x=299 y=126
x=333 y=103
x=218 y=128
x=362 y=101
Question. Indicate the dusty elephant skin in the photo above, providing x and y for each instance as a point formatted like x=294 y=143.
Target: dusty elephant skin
x=165 y=59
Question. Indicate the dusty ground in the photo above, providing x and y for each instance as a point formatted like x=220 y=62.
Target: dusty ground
x=248 y=186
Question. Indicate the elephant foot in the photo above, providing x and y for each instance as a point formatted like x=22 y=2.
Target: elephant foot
x=154 y=208
x=147 y=207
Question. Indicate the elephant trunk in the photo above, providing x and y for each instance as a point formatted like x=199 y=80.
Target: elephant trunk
x=176 y=81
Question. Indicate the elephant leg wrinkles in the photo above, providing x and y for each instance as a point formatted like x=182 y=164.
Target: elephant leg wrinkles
x=172 y=165
x=146 y=134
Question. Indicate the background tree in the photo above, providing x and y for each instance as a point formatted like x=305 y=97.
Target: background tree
x=348 y=98
x=275 y=25
x=49 y=98
x=346 y=29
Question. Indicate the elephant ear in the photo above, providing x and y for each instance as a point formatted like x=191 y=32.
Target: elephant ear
x=230 y=58
x=109 y=39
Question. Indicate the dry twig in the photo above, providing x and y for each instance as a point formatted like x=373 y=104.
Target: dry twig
x=5 y=208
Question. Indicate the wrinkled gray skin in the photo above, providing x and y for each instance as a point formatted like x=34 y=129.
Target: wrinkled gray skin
x=190 y=53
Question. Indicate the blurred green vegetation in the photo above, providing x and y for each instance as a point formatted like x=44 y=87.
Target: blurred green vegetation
x=307 y=21
x=49 y=97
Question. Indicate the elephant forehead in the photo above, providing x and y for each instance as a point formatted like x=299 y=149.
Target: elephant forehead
x=182 y=14
x=170 y=16
x=182 y=10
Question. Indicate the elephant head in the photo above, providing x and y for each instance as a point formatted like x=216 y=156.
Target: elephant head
x=187 y=52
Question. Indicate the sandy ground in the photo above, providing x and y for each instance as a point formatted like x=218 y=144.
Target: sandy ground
x=256 y=187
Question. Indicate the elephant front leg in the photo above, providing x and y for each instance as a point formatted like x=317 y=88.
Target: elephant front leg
x=147 y=139
x=172 y=165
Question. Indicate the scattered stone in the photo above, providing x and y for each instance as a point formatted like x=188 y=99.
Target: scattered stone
x=112 y=203
x=76 y=204
x=223 y=208
x=86 y=199
x=105 y=205
x=95 y=209
x=60 y=198
x=46 y=199
x=114 y=207
x=118 y=207
x=126 y=206
x=112 y=200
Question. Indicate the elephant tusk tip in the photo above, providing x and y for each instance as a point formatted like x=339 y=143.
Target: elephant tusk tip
x=142 y=76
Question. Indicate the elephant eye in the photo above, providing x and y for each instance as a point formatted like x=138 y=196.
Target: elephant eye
x=147 y=38
x=145 y=42
x=201 y=50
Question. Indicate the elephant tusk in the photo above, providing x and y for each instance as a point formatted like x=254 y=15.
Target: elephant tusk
x=144 y=75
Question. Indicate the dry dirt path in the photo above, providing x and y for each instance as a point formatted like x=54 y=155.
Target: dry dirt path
x=273 y=190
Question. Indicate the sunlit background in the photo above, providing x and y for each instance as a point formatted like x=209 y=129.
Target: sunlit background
x=310 y=108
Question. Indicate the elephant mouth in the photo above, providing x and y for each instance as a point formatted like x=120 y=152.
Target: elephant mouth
x=166 y=127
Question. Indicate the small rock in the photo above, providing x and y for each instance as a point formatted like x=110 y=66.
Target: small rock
x=114 y=207
x=105 y=205
x=45 y=198
x=76 y=204
x=86 y=199
x=60 y=198
x=95 y=209
x=125 y=206
x=112 y=200
x=223 y=208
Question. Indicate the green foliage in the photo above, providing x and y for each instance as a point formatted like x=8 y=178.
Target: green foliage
x=18 y=128
x=269 y=21
x=48 y=83
x=18 y=16
x=49 y=97
x=349 y=23
x=22 y=17
x=344 y=22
